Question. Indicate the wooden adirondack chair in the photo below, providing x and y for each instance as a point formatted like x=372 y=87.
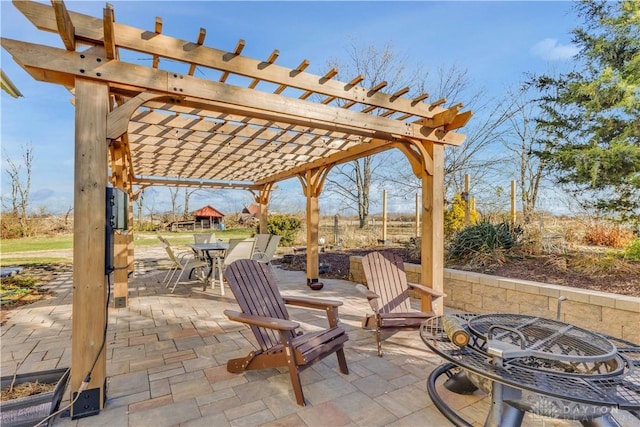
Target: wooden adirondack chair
x=388 y=295
x=281 y=344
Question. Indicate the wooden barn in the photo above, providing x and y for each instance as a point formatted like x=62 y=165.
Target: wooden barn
x=208 y=217
x=249 y=214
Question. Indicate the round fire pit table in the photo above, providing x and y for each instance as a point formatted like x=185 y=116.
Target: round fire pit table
x=538 y=365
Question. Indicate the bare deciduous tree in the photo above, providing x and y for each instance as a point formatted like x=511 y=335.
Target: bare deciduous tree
x=523 y=143
x=485 y=129
x=353 y=181
x=173 y=193
x=187 y=196
x=20 y=181
x=139 y=201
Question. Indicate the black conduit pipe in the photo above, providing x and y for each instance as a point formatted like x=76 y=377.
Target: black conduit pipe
x=449 y=414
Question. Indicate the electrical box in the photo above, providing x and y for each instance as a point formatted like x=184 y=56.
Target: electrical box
x=117 y=209
x=117 y=214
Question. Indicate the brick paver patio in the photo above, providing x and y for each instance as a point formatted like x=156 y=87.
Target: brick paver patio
x=167 y=353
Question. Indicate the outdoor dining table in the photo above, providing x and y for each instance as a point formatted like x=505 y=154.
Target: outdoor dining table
x=537 y=365
x=212 y=250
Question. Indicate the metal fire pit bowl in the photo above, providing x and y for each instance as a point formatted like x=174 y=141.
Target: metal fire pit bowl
x=538 y=365
x=544 y=344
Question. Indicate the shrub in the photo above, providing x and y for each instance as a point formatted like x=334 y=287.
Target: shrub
x=602 y=264
x=146 y=226
x=484 y=239
x=632 y=251
x=286 y=226
x=454 y=216
x=611 y=236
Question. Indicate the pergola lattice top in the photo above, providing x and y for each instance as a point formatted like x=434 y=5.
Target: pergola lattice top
x=184 y=130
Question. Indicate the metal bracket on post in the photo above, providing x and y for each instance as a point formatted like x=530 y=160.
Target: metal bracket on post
x=88 y=404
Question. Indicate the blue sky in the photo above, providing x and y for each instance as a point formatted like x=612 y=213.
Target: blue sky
x=496 y=41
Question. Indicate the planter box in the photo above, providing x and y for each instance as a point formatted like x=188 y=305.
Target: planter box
x=30 y=410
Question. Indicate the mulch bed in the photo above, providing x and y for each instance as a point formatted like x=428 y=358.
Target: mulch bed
x=43 y=273
x=24 y=390
x=552 y=269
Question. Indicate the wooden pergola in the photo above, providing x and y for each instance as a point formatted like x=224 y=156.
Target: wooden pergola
x=255 y=124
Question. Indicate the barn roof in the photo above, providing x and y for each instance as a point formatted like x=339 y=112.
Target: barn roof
x=208 y=211
x=252 y=210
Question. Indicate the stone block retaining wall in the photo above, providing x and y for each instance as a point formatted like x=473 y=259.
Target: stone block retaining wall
x=613 y=314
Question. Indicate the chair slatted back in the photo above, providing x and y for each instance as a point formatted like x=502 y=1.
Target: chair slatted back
x=172 y=256
x=386 y=277
x=271 y=247
x=257 y=293
x=270 y=250
x=262 y=241
x=204 y=237
x=239 y=249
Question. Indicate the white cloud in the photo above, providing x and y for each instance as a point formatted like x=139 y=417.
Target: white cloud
x=551 y=50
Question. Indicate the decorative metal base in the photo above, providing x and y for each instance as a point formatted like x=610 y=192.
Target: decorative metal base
x=315 y=284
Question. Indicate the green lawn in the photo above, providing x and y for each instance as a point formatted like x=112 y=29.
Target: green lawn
x=33 y=261
x=33 y=244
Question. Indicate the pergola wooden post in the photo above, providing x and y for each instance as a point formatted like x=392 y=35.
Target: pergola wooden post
x=432 y=249
x=312 y=182
x=418 y=209
x=89 y=314
x=262 y=198
x=130 y=247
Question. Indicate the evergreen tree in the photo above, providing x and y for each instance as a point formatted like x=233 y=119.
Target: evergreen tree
x=591 y=115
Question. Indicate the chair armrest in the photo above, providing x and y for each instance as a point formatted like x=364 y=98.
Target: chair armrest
x=329 y=306
x=426 y=290
x=262 y=321
x=367 y=292
x=181 y=253
x=372 y=297
x=318 y=303
x=257 y=255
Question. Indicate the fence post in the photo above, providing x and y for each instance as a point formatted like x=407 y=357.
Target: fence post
x=513 y=202
x=384 y=216
x=467 y=207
